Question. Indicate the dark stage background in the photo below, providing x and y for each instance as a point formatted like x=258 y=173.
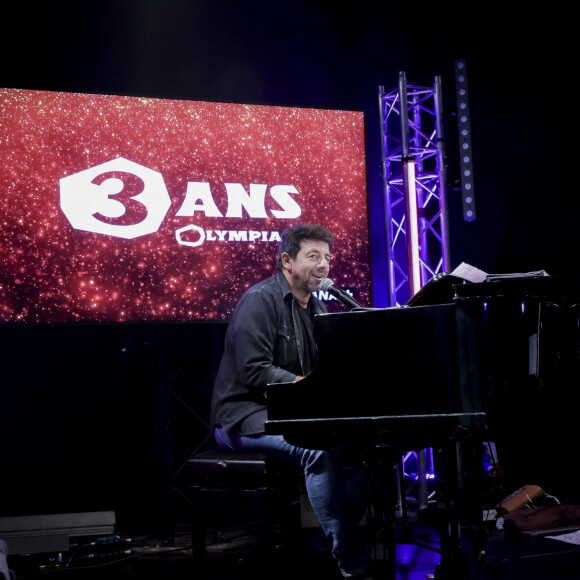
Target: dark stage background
x=99 y=416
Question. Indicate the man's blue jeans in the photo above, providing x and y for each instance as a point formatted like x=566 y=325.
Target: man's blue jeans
x=336 y=492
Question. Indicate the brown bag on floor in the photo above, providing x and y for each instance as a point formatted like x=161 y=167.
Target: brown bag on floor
x=544 y=517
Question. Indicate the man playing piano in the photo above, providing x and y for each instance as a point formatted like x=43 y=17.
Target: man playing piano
x=270 y=340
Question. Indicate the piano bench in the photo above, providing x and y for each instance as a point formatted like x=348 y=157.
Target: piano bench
x=244 y=489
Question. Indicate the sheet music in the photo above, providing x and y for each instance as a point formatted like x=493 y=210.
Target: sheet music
x=571 y=538
x=469 y=273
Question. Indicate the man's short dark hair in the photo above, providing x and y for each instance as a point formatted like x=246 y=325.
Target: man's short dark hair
x=292 y=237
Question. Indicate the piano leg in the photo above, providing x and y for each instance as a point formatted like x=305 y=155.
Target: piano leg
x=380 y=466
x=452 y=504
x=458 y=467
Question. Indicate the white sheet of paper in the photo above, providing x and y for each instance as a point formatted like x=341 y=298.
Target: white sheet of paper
x=571 y=538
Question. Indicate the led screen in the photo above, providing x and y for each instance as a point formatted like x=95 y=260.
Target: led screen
x=136 y=209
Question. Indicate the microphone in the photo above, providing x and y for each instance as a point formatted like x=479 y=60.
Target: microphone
x=327 y=285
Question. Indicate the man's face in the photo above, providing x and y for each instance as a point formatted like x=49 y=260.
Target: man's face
x=310 y=267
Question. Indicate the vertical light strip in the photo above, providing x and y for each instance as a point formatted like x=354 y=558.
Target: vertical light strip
x=465 y=152
x=412 y=229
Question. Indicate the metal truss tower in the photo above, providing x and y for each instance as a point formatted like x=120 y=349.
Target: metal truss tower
x=414 y=183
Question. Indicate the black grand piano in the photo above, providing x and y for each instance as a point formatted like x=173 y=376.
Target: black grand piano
x=497 y=360
x=392 y=375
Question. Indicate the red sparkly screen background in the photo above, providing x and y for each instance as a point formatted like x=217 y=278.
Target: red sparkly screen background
x=134 y=209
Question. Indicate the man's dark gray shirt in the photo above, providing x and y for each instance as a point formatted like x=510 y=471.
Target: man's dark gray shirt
x=263 y=345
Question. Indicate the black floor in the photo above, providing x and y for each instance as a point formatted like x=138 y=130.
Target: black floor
x=235 y=555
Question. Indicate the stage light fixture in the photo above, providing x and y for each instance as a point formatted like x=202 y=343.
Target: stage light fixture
x=464 y=128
